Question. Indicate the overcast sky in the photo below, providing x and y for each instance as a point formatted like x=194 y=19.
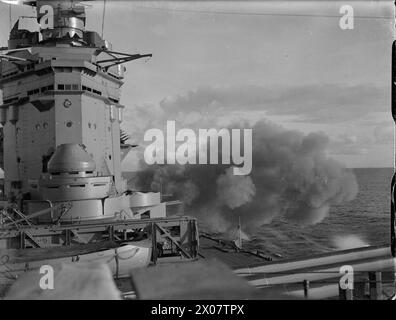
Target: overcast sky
x=301 y=72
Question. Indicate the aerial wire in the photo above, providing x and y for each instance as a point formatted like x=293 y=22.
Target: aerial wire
x=103 y=16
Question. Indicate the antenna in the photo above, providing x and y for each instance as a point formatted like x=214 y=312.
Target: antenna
x=10 y=16
x=161 y=193
x=104 y=16
x=239 y=232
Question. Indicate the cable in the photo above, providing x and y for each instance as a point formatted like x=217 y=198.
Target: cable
x=260 y=14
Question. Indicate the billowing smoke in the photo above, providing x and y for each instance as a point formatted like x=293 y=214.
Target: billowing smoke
x=348 y=242
x=292 y=177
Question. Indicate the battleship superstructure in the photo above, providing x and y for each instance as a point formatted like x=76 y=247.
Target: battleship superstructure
x=61 y=145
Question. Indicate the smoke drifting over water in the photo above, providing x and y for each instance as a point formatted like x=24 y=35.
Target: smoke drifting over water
x=291 y=177
x=349 y=242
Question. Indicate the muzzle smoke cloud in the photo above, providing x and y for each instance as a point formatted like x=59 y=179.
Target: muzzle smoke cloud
x=292 y=177
x=349 y=242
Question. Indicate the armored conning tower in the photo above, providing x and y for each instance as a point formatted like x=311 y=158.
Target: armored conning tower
x=61 y=116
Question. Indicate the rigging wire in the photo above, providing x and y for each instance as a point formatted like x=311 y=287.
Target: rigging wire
x=274 y=14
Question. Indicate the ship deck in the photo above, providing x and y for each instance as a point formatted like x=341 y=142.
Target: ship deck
x=222 y=265
x=284 y=278
x=226 y=252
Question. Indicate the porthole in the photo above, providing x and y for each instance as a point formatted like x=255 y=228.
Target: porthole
x=45 y=125
x=67 y=103
x=89 y=125
x=69 y=124
x=38 y=127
